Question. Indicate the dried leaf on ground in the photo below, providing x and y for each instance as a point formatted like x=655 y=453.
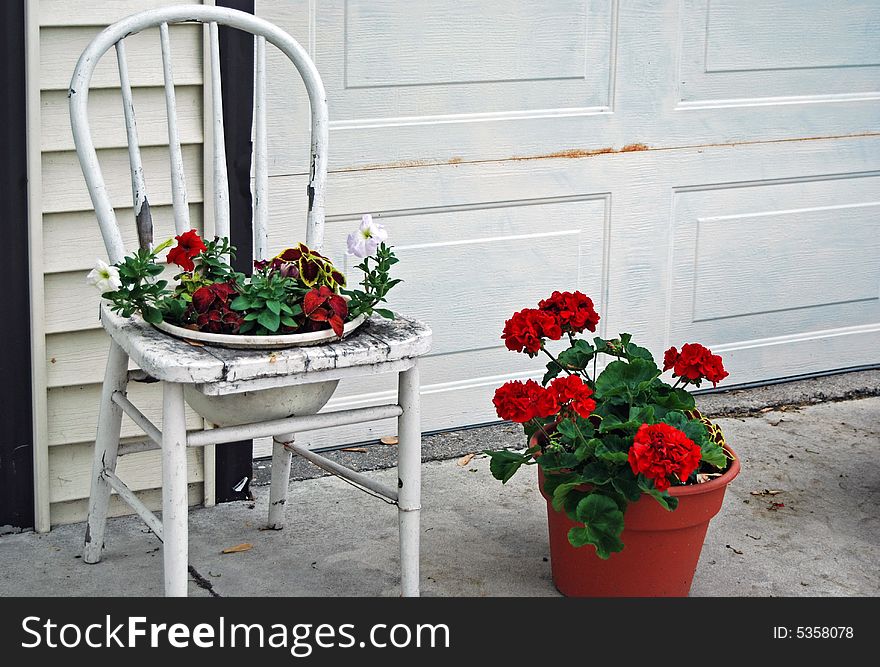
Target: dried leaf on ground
x=767 y=492
x=245 y=546
x=389 y=440
x=358 y=450
x=464 y=460
x=194 y=343
x=734 y=550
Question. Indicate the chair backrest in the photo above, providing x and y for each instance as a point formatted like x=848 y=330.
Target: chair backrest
x=263 y=32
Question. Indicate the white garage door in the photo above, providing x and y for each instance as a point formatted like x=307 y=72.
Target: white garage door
x=707 y=171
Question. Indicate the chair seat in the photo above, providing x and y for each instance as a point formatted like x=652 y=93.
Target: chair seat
x=171 y=359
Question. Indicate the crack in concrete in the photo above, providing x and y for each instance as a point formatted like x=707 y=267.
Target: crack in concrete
x=203 y=583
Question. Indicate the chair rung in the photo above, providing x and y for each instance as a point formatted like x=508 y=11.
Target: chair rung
x=292 y=425
x=137 y=417
x=147 y=445
x=134 y=502
x=341 y=471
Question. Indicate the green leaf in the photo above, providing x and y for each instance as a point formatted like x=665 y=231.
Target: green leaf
x=713 y=454
x=504 y=464
x=587 y=449
x=384 y=312
x=553 y=480
x=288 y=321
x=554 y=461
x=274 y=306
x=613 y=448
x=151 y=314
x=578 y=356
x=240 y=303
x=621 y=378
x=269 y=320
x=611 y=423
x=666 y=501
x=553 y=370
x=561 y=492
x=603 y=524
x=633 y=351
x=676 y=399
x=594 y=474
x=627 y=485
x=567 y=430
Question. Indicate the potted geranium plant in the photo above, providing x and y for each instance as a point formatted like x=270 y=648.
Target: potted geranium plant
x=299 y=297
x=631 y=471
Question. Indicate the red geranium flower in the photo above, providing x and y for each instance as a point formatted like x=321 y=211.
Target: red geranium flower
x=713 y=369
x=573 y=310
x=525 y=330
x=660 y=451
x=324 y=305
x=695 y=363
x=522 y=401
x=669 y=358
x=188 y=246
x=572 y=390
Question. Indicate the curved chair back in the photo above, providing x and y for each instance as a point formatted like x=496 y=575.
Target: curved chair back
x=263 y=31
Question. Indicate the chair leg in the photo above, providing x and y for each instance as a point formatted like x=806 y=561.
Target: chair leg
x=409 y=482
x=175 y=550
x=106 y=448
x=280 y=480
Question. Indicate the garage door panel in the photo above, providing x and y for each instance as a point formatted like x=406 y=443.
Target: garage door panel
x=815 y=351
x=384 y=59
x=736 y=50
x=753 y=262
x=795 y=259
x=390 y=44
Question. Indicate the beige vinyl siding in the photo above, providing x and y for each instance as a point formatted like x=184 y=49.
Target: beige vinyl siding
x=76 y=346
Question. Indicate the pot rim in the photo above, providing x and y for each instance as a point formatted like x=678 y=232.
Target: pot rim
x=247 y=342
x=706 y=487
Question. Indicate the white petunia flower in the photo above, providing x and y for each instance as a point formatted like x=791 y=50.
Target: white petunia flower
x=104 y=277
x=365 y=239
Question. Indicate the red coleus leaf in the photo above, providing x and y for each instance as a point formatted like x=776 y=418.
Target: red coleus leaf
x=324 y=305
x=315 y=298
x=338 y=305
x=202 y=298
x=223 y=291
x=337 y=324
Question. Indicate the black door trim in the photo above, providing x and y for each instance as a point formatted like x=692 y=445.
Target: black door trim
x=234 y=460
x=16 y=387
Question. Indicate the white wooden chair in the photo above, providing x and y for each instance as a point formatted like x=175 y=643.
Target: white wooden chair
x=379 y=346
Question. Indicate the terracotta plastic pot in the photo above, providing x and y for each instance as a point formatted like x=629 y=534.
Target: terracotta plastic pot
x=661 y=548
